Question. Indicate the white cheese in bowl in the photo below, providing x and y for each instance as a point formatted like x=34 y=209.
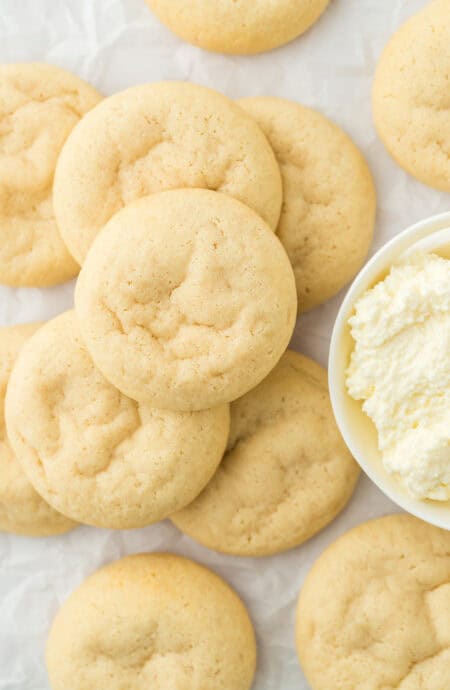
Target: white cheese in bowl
x=400 y=370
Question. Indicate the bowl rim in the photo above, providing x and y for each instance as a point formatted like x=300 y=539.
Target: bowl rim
x=387 y=253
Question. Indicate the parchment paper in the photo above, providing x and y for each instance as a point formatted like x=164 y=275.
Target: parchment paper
x=118 y=43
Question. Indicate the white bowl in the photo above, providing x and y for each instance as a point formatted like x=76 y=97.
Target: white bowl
x=357 y=429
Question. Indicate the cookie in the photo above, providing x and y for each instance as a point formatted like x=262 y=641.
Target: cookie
x=411 y=96
x=286 y=472
x=94 y=454
x=328 y=215
x=238 y=28
x=22 y=510
x=152 y=621
x=156 y=137
x=195 y=308
x=39 y=106
x=375 y=609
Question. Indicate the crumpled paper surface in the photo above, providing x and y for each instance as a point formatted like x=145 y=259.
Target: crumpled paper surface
x=118 y=43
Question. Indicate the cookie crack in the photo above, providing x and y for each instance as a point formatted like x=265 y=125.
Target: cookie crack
x=142 y=659
x=58 y=98
x=165 y=341
x=415 y=664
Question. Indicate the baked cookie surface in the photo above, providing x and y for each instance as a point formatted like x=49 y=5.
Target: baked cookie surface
x=195 y=308
x=411 y=96
x=22 y=510
x=286 y=472
x=152 y=621
x=328 y=214
x=156 y=137
x=244 y=27
x=95 y=454
x=374 y=611
x=39 y=106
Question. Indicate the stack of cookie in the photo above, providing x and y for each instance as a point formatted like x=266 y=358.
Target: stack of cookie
x=201 y=226
x=168 y=195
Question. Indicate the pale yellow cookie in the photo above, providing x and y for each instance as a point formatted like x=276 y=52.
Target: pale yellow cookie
x=194 y=308
x=241 y=27
x=411 y=96
x=39 y=105
x=328 y=213
x=374 y=613
x=152 y=621
x=94 y=454
x=155 y=137
x=22 y=510
x=286 y=472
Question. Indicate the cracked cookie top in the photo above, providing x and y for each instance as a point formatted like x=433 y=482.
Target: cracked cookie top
x=94 y=454
x=328 y=214
x=39 y=106
x=286 y=472
x=374 y=613
x=22 y=510
x=156 y=137
x=411 y=95
x=186 y=299
x=152 y=621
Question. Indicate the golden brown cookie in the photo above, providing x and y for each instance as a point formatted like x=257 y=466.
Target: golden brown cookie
x=94 y=454
x=22 y=510
x=411 y=100
x=244 y=27
x=374 y=612
x=195 y=308
x=329 y=200
x=156 y=137
x=39 y=105
x=286 y=472
x=152 y=621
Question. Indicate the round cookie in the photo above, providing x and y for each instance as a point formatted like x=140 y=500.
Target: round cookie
x=195 y=308
x=22 y=510
x=156 y=137
x=375 y=609
x=328 y=213
x=245 y=27
x=286 y=472
x=39 y=105
x=94 y=454
x=152 y=621
x=411 y=98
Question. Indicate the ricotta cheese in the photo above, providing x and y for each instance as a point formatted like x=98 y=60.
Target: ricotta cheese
x=400 y=369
